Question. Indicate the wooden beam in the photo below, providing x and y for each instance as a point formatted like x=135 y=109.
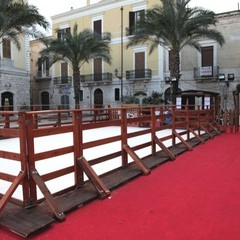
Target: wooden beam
x=11 y=189
x=195 y=135
x=182 y=140
x=214 y=128
x=93 y=177
x=208 y=133
x=136 y=159
x=164 y=148
x=48 y=196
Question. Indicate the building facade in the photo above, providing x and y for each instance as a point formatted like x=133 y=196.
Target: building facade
x=133 y=72
x=215 y=68
x=14 y=74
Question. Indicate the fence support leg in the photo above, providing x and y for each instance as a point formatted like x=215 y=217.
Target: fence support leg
x=164 y=148
x=94 y=178
x=48 y=196
x=11 y=190
x=136 y=159
x=182 y=140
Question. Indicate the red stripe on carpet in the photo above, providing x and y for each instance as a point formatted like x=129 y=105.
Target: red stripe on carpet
x=195 y=197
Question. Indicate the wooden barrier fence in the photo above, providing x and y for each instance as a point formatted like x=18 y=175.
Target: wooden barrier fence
x=30 y=126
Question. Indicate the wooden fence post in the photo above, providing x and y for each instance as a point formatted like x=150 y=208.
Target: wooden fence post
x=30 y=126
x=77 y=142
x=153 y=129
x=124 y=136
x=173 y=125
x=24 y=158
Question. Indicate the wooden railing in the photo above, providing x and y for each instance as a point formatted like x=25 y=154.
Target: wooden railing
x=29 y=127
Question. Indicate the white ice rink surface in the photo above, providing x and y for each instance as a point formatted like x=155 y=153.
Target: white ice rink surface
x=52 y=142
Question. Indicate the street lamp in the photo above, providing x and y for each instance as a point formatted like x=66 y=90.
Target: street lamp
x=121 y=82
x=120 y=77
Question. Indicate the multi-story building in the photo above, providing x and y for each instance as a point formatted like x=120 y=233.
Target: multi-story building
x=215 y=68
x=41 y=77
x=133 y=71
x=14 y=74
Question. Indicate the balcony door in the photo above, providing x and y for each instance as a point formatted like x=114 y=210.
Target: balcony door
x=98 y=69
x=64 y=73
x=207 y=61
x=139 y=64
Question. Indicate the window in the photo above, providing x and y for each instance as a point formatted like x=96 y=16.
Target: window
x=81 y=95
x=64 y=73
x=134 y=17
x=6 y=45
x=43 y=67
x=207 y=61
x=117 y=94
x=65 y=102
x=97 y=69
x=62 y=32
x=207 y=56
x=97 y=25
x=140 y=65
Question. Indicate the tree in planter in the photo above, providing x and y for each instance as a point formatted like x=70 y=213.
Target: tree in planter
x=154 y=99
x=77 y=49
x=174 y=25
x=19 y=19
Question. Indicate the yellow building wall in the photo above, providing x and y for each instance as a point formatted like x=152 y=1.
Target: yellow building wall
x=111 y=22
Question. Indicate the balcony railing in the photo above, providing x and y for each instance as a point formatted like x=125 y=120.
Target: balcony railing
x=43 y=75
x=145 y=74
x=208 y=72
x=67 y=80
x=96 y=78
x=106 y=36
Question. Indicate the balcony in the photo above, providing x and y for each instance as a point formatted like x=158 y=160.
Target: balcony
x=96 y=79
x=106 y=36
x=145 y=74
x=66 y=80
x=40 y=75
x=209 y=72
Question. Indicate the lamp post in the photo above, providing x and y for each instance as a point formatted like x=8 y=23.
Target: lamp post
x=121 y=83
x=116 y=70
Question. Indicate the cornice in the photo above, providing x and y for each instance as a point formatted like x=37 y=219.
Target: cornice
x=93 y=9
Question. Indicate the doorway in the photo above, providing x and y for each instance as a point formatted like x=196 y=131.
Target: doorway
x=7 y=100
x=98 y=98
x=45 y=100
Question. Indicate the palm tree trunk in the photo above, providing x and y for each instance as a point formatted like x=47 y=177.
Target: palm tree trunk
x=76 y=86
x=174 y=72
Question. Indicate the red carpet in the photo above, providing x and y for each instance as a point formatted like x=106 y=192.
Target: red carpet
x=195 y=197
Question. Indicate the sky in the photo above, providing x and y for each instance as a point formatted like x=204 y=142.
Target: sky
x=50 y=8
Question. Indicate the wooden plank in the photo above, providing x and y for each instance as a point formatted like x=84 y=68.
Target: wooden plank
x=164 y=148
x=53 y=153
x=182 y=140
x=48 y=196
x=11 y=189
x=94 y=178
x=136 y=159
x=10 y=155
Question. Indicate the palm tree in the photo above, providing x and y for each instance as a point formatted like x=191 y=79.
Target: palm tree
x=174 y=25
x=19 y=19
x=77 y=49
